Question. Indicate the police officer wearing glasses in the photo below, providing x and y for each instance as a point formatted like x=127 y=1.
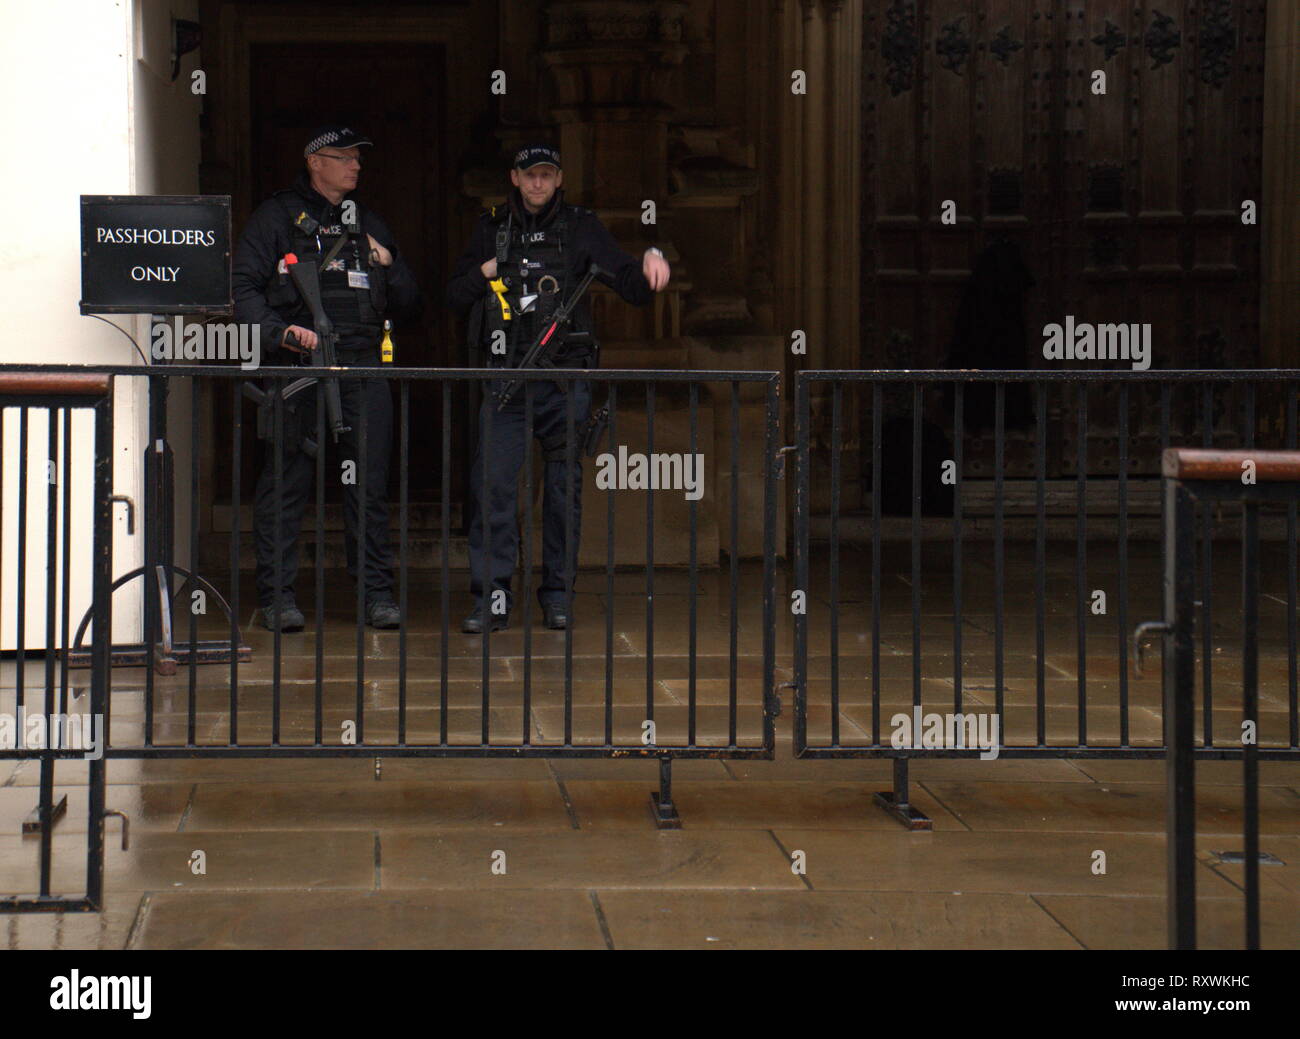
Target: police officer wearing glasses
x=362 y=280
x=524 y=260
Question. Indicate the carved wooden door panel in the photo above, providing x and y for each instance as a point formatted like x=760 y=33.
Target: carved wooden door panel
x=1117 y=207
x=1156 y=174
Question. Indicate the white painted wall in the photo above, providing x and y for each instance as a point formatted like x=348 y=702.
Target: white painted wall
x=88 y=108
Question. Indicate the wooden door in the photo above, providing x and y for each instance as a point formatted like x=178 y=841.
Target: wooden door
x=1118 y=207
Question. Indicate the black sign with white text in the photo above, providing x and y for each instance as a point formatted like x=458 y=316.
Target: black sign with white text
x=155 y=254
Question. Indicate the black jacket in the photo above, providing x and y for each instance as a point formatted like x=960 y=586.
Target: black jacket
x=589 y=242
x=269 y=235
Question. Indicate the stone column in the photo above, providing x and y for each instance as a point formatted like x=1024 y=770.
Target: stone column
x=842 y=230
x=613 y=64
x=1280 y=208
x=816 y=186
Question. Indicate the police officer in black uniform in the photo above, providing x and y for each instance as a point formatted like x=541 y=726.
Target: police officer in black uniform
x=363 y=280
x=525 y=258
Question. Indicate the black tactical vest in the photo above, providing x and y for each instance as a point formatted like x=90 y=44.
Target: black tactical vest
x=535 y=267
x=353 y=292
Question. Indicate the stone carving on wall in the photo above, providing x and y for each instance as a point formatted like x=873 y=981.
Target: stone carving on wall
x=608 y=22
x=1217 y=41
x=899 y=46
x=953 y=46
x=1111 y=40
x=1162 y=36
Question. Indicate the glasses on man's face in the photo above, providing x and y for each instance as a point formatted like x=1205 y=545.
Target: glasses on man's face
x=347 y=160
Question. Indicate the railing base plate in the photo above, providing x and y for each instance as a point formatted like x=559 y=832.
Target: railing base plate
x=909 y=816
x=665 y=813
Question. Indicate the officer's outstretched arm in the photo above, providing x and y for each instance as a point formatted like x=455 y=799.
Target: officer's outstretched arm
x=625 y=275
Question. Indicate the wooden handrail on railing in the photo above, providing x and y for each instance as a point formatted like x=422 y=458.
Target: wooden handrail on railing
x=54 y=384
x=1185 y=463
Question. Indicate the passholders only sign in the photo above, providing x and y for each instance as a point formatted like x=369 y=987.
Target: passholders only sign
x=155 y=254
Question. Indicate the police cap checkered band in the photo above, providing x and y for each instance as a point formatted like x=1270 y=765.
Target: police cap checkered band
x=535 y=155
x=334 y=137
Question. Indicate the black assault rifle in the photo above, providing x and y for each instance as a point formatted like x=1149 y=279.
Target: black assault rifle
x=538 y=355
x=307 y=280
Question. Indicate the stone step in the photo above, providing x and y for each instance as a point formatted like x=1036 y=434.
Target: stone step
x=421 y=516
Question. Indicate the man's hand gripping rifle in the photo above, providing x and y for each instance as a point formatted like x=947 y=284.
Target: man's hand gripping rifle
x=307 y=280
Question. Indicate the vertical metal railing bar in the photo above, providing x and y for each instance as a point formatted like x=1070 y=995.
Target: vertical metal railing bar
x=800 y=548
x=1250 y=685
x=649 y=560
x=152 y=530
x=999 y=544
x=570 y=555
x=236 y=527
x=318 y=692
x=1081 y=562
x=20 y=585
x=527 y=720
x=1292 y=391
x=1250 y=700
x=486 y=590
x=735 y=560
x=693 y=392
x=363 y=490
x=53 y=732
x=877 y=397
x=1040 y=562
x=1166 y=393
x=958 y=426
x=445 y=564
x=769 y=559
x=834 y=559
x=1207 y=575
x=916 y=544
x=65 y=600
x=277 y=449
x=609 y=577
x=403 y=523
x=1180 y=718
x=20 y=643
x=1122 y=543
x=101 y=643
x=192 y=694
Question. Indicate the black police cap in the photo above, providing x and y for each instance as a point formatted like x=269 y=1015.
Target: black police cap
x=536 y=155
x=334 y=136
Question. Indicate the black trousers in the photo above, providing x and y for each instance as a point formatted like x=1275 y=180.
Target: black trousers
x=502 y=443
x=369 y=401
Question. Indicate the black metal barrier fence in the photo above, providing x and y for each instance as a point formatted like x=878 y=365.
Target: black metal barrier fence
x=665 y=660
x=54 y=400
x=967 y=637
x=1196 y=479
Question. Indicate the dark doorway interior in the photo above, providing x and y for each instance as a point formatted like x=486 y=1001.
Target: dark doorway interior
x=394 y=93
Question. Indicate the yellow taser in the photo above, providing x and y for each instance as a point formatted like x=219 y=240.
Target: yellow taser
x=498 y=286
